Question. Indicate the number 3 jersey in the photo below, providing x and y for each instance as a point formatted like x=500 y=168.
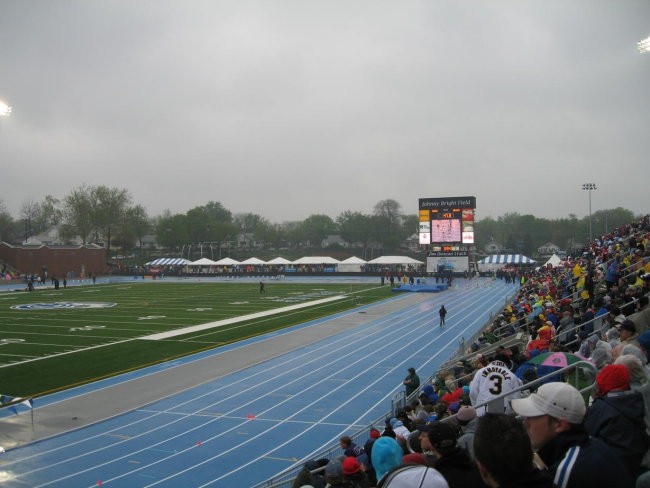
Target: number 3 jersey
x=491 y=381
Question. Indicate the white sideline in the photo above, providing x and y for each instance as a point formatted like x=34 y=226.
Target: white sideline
x=234 y=320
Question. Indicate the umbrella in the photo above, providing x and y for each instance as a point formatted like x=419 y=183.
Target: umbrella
x=558 y=359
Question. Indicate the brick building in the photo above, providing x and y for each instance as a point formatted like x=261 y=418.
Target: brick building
x=59 y=261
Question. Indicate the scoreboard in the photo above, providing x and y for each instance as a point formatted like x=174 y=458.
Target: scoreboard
x=447 y=220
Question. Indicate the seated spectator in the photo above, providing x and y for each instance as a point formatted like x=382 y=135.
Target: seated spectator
x=617 y=417
x=386 y=454
x=307 y=477
x=553 y=419
x=467 y=420
x=504 y=456
x=639 y=382
x=627 y=332
x=452 y=461
x=600 y=351
x=353 y=473
x=334 y=474
x=413 y=475
x=401 y=432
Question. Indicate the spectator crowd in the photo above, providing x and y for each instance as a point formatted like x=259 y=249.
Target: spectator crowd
x=555 y=392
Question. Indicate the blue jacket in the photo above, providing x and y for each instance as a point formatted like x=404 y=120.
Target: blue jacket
x=617 y=419
x=576 y=460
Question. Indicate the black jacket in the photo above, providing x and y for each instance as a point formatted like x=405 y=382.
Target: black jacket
x=459 y=470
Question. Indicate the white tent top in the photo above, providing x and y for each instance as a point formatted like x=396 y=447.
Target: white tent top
x=507 y=259
x=203 y=262
x=554 y=260
x=226 y=262
x=353 y=260
x=168 y=262
x=316 y=260
x=278 y=260
x=394 y=260
x=253 y=260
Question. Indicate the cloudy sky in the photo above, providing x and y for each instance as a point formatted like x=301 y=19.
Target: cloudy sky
x=288 y=108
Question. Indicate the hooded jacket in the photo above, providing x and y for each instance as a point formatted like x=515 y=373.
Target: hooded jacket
x=618 y=419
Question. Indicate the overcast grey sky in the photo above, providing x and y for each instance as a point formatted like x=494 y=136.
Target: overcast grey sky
x=288 y=108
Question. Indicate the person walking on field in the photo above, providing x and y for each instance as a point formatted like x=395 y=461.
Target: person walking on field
x=442 y=312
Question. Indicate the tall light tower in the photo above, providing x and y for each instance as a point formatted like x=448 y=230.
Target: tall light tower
x=589 y=187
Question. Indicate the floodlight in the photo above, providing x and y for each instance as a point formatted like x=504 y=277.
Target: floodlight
x=5 y=110
x=644 y=45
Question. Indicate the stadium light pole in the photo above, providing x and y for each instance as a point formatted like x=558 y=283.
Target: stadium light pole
x=589 y=187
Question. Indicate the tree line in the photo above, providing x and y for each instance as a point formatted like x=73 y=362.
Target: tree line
x=108 y=216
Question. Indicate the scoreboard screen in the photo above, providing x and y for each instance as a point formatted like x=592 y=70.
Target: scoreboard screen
x=447 y=220
x=445 y=227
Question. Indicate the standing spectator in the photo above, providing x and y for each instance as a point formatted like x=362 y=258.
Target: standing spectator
x=553 y=418
x=492 y=381
x=617 y=417
x=504 y=456
x=412 y=382
x=442 y=312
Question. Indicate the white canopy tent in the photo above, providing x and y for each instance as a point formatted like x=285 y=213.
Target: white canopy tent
x=315 y=260
x=554 y=261
x=278 y=260
x=252 y=261
x=227 y=262
x=351 y=265
x=203 y=262
x=388 y=260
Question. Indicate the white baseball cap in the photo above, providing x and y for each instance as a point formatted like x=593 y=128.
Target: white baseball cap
x=557 y=399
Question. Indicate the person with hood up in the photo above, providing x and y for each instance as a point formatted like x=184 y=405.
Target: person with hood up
x=307 y=476
x=600 y=351
x=617 y=417
x=386 y=454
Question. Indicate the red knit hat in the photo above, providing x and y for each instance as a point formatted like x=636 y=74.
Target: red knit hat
x=613 y=377
x=351 y=465
x=375 y=434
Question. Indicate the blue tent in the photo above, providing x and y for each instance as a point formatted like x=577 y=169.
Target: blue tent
x=168 y=262
x=507 y=259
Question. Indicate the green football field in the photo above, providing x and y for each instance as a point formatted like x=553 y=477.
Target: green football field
x=53 y=339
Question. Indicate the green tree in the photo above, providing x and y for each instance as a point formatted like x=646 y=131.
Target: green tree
x=388 y=218
x=171 y=231
x=7 y=225
x=78 y=216
x=317 y=227
x=109 y=205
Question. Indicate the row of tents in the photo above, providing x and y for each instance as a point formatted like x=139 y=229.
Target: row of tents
x=351 y=264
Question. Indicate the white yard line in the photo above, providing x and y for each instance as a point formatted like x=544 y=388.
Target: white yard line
x=234 y=320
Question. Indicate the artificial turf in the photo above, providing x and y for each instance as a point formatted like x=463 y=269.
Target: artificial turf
x=44 y=349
